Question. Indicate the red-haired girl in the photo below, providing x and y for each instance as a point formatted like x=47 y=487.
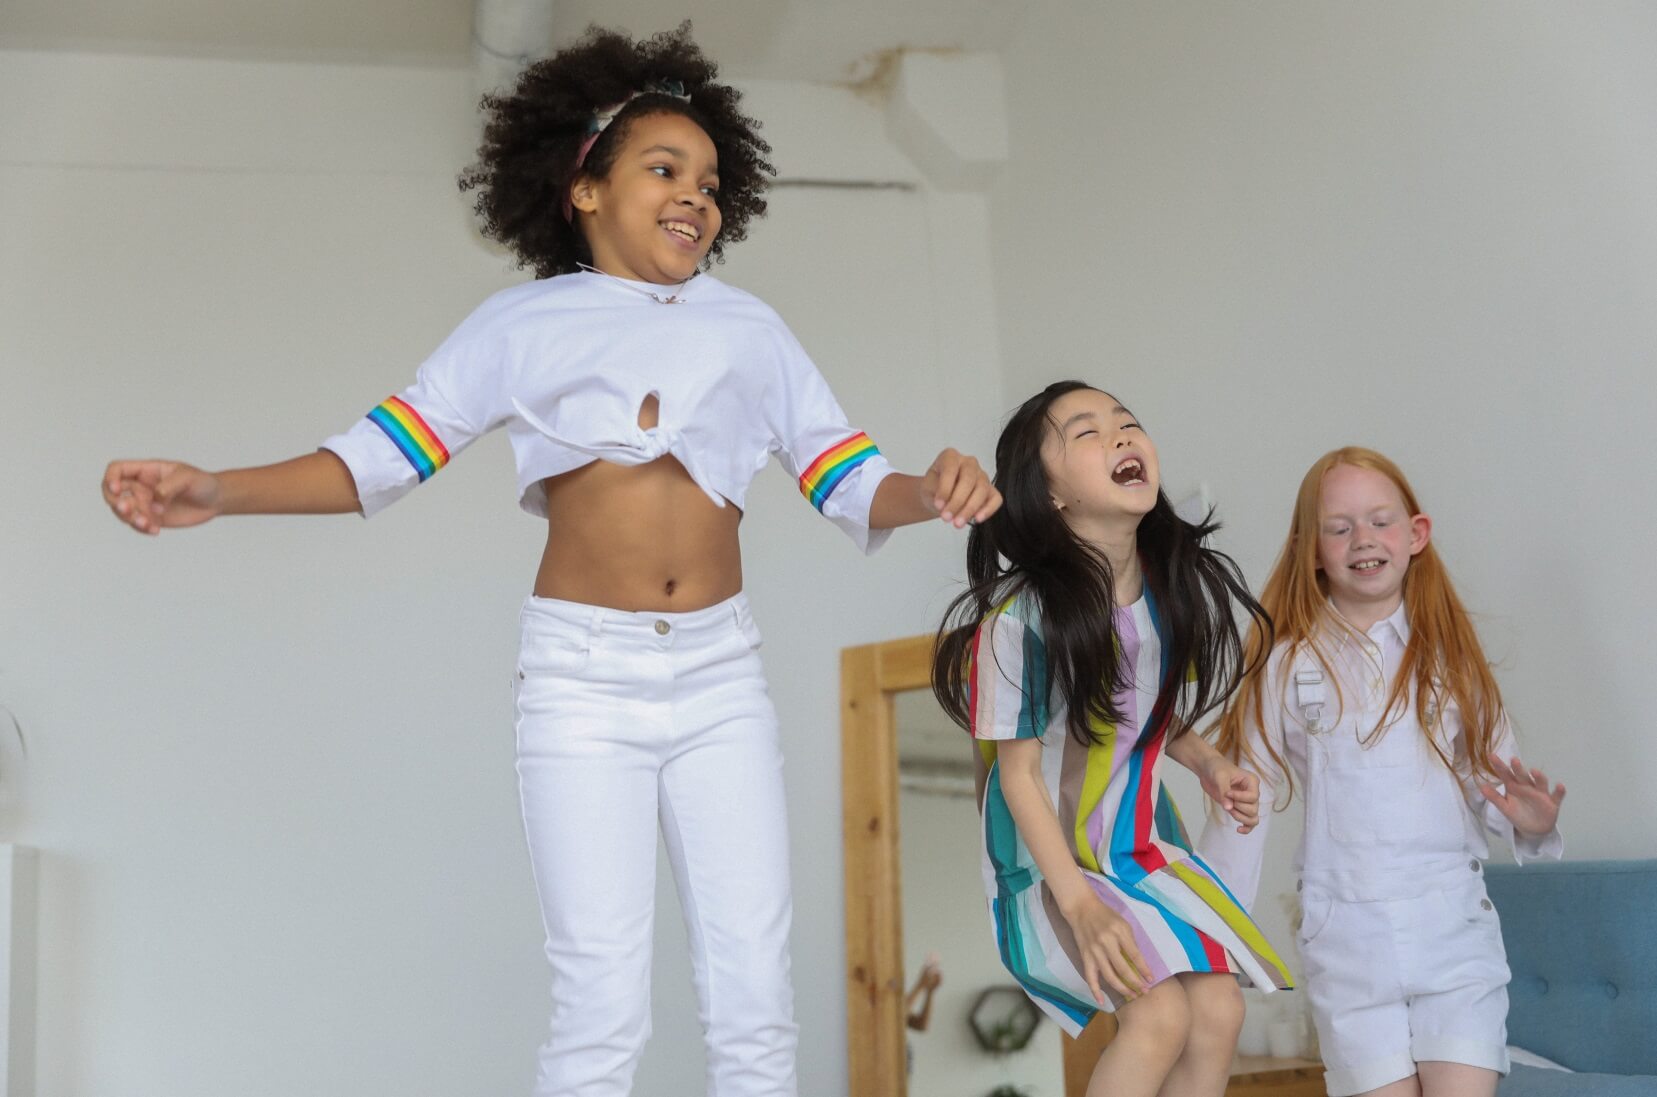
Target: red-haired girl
x=1378 y=700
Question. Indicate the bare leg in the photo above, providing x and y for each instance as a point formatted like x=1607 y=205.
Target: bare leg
x=1456 y=1080
x=1148 y=1042
x=1404 y=1087
x=1204 y=1065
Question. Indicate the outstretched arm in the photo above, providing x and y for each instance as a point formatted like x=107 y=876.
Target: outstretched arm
x=1229 y=785
x=955 y=488
x=151 y=496
x=919 y=1002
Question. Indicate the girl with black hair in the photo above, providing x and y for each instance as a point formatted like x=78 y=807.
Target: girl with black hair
x=641 y=396
x=1096 y=629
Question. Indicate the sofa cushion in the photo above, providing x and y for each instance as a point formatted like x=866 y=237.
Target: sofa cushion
x=1537 y=1082
x=1584 y=960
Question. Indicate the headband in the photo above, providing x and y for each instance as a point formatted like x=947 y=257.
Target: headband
x=600 y=121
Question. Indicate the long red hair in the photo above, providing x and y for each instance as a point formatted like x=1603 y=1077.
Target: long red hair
x=1443 y=662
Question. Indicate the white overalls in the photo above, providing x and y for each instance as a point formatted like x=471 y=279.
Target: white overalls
x=1402 y=946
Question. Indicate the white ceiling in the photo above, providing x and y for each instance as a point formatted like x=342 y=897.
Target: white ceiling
x=816 y=40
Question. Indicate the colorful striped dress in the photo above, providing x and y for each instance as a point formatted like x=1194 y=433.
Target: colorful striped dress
x=1124 y=832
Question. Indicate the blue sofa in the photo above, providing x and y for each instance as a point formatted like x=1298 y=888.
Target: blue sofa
x=1582 y=942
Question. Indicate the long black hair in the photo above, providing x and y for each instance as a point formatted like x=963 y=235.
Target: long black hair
x=1026 y=548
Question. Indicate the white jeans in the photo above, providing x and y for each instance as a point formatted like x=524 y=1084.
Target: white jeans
x=625 y=720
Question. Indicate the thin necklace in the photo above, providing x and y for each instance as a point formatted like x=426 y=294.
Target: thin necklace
x=671 y=299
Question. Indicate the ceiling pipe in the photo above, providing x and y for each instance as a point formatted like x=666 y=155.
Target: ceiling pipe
x=507 y=37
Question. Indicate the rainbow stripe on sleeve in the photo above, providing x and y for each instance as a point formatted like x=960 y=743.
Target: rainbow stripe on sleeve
x=823 y=475
x=410 y=434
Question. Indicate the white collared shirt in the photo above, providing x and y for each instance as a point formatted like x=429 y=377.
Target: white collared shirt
x=1379 y=817
x=565 y=364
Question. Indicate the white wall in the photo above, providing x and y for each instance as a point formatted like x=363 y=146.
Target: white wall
x=270 y=767
x=1275 y=228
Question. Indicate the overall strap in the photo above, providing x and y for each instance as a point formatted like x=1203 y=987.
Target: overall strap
x=1310 y=692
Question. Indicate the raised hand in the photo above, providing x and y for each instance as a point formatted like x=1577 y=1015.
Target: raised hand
x=1527 y=803
x=931 y=974
x=958 y=490
x=1110 y=957
x=151 y=496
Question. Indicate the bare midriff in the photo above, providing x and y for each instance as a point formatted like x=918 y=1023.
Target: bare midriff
x=639 y=537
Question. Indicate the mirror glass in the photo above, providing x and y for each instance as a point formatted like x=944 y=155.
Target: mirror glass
x=946 y=916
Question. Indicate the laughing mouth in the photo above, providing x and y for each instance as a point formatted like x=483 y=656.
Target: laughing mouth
x=1368 y=567
x=689 y=232
x=1129 y=472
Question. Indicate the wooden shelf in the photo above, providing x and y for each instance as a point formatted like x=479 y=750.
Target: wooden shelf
x=1259 y=1076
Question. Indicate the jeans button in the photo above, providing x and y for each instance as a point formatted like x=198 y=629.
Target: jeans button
x=1474 y=865
x=1484 y=904
x=663 y=628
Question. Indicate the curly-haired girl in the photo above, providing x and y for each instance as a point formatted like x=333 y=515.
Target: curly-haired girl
x=640 y=397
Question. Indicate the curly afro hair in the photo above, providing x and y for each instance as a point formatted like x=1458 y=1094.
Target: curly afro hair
x=527 y=160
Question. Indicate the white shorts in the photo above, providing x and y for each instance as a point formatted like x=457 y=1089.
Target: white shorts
x=1394 y=982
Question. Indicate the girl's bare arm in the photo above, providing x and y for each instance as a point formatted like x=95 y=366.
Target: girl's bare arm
x=151 y=496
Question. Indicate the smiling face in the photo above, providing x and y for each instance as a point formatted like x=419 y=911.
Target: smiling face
x=654 y=215
x=1366 y=539
x=1101 y=467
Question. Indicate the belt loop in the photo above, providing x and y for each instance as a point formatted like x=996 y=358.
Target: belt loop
x=595 y=624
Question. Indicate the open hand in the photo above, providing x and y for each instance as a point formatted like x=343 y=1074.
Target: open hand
x=1527 y=803
x=1110 y=957
x=1236 y=790
x=151 y=496
x=958 y=490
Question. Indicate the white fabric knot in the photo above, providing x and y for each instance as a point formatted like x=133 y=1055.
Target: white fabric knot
x=645 y=445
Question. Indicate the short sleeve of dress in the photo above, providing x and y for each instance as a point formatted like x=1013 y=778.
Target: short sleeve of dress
x=456 y=397
x=836 y=466
x=1007 y=687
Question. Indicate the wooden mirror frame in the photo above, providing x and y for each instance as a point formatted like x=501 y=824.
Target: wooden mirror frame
x=870 y=675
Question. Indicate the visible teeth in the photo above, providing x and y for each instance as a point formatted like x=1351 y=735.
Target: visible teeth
x=1367 y=565
x=684 y=230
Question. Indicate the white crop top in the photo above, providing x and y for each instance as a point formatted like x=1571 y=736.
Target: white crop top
x=565 y=364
